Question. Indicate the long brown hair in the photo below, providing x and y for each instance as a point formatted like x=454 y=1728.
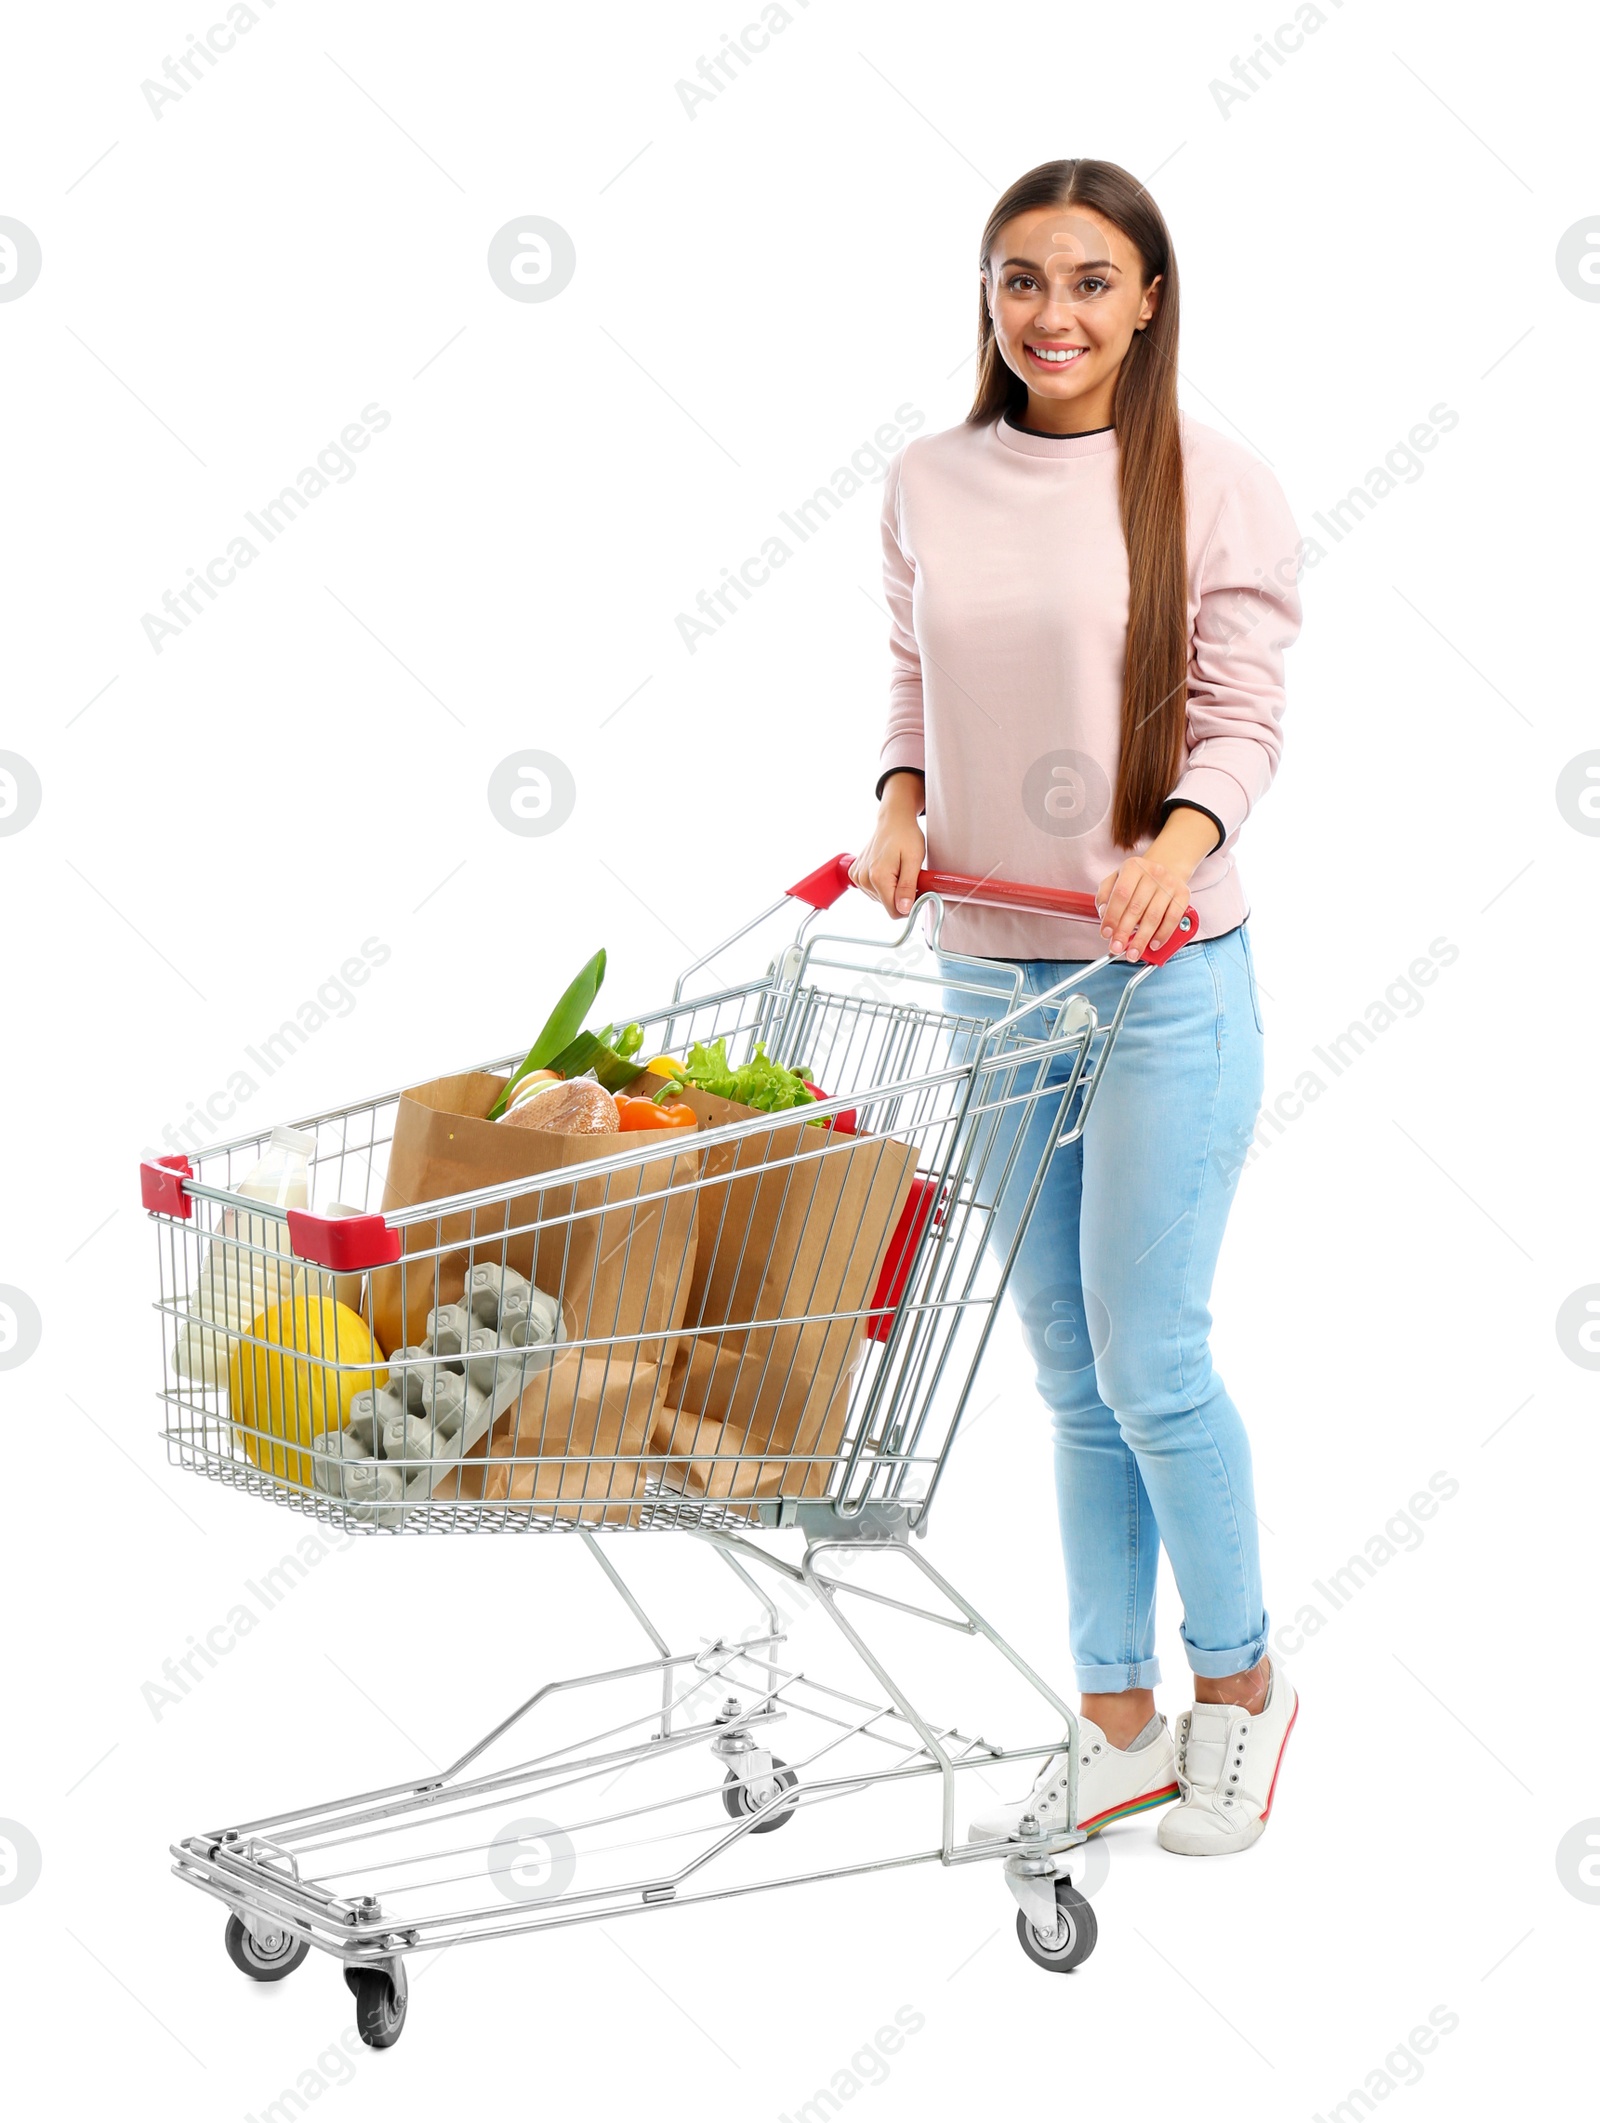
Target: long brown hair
x=1145 y=413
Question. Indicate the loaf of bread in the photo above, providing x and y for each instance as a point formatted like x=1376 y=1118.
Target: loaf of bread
x=581 y=1107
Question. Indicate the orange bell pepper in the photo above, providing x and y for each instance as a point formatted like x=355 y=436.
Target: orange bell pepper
x=638 y=1113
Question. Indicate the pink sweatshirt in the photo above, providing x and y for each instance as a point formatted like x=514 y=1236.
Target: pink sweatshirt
x=1007 y=581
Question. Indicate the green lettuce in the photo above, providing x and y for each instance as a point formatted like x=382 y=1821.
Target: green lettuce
x=760 y=1082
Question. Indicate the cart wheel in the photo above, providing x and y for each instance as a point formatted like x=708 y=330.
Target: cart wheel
x=1075 y=1934
x=380 y=2004
x=742 y=1799
x=280 y=1956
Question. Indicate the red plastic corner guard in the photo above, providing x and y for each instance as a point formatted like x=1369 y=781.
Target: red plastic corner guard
x=895 y=1273
x=346 y=1244
x=161 y=1185
x=826 y=885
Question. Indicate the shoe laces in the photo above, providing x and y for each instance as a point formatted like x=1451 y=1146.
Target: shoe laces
x=1057 y=1767
x=1226 y=1787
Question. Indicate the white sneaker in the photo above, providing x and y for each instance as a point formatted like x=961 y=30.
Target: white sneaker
x=1228 y=1763
x=1113 y=1782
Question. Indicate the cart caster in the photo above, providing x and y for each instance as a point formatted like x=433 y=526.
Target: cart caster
x=760 y=1795
x=1074 y=1938
x=380 y=1995
x=270 y=1958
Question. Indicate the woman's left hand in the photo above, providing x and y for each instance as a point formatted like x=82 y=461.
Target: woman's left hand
x=1141 y=904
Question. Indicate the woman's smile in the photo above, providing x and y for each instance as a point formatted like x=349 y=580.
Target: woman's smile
x=1052 y=357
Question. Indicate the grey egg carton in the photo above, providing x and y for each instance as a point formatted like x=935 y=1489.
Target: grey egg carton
x=443 y=1395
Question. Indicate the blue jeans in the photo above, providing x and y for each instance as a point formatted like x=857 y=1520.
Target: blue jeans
x=1112 y=1285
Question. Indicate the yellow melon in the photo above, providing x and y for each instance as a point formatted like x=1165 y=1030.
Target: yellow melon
x=328 y=1349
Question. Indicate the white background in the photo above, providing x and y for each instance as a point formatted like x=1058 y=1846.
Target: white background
x=758 y=287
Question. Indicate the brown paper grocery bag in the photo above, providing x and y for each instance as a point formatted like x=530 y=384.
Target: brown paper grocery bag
x=793 y=1222
x=576 y=1442
x=623 y=1271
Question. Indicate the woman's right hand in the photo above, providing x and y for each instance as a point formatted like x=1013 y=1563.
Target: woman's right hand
x=887 y=866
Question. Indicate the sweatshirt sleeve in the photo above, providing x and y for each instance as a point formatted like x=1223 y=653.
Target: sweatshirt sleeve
x=1249 y=614
x=903 y=739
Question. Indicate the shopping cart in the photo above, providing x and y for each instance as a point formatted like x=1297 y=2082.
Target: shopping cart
x=527 y=1829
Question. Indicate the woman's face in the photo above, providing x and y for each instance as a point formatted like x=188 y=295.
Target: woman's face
x=1066 y=296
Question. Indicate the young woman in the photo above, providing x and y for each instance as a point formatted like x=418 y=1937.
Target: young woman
x=1091 y=594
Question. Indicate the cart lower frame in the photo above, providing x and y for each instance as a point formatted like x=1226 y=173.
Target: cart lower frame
x=262 y=1870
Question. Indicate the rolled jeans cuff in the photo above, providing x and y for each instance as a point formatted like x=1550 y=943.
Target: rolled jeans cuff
x=1218 y=1665
x=1114 y=1680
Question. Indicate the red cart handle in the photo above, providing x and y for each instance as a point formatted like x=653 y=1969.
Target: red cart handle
x=827 y=885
